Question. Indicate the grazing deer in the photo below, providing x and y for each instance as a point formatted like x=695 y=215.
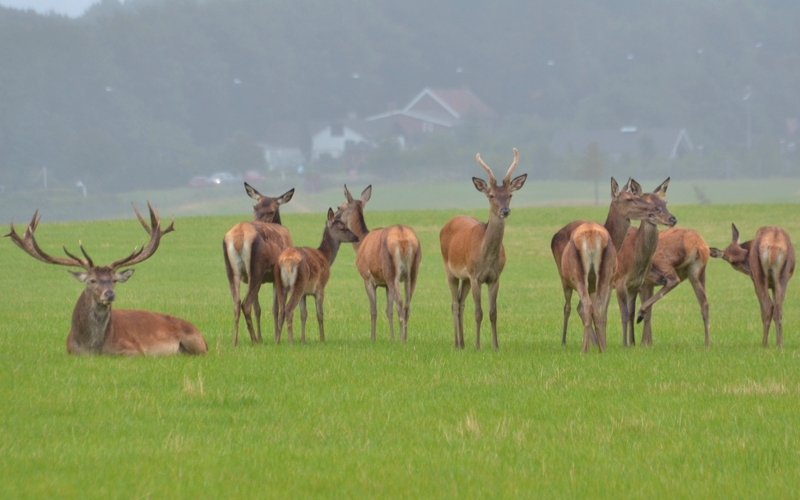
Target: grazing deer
x=587 y=266
x=304 y=271
x=385 y=257
x=626 y=204
x=473 y=252
x=250 y=250
x=95 y=327
x=635 y=256
x=769 y=261
x=681 y=254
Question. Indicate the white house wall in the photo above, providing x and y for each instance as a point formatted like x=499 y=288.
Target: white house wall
x=322 y=142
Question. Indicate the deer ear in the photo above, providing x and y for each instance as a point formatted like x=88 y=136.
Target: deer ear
x=123 y=276
x=517 y=182
x=251 y=192
x=366 y=194
x=347 y=195
x=79 y=275
x=480 y=185
x=635 y=187
x=614 y=188
x=330 y=214
x=286 y=197
x=734 y=233
x=716 y=253
x=661 y=190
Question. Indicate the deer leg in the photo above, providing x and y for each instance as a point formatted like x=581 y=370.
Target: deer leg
x=462 y=301
x=274 y=311
x=303 y=317
x=622 y=301
x=399 y=303
x=699 y=285
x=373 y=306
x=389 y=314
x=319 y=299
x=237 y=309
x=476 y=297
x=455 y=300
x=257 y=311
x=630 y=308
x=646 y=291
x=408 y=291
x=252 y=293
x=779 y=293
x=411 y=285
x=494 y=288
x=567 y=310
x=585 y=312
x=670 y=281
x=281 y=311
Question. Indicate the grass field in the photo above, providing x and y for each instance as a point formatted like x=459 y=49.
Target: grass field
x=352 y=418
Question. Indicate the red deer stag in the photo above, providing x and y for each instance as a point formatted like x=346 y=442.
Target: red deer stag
x=385 y=257
x=635 y=257
x=95 y=327
x=473 y=252
x=626 y=205
x=250 y=250
x=304 y=271
x=681 y=254
x=769 y=261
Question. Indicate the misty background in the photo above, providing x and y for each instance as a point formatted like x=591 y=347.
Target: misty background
x=151 y=98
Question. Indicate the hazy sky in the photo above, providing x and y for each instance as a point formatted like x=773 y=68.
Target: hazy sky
x=72 y=8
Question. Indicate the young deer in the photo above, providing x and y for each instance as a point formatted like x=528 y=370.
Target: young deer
x=769 y=261
x=473 y=252
x=385 y=257
x=250 y=250
x=98 y=329
x=304 y=271
x=635 y=256
x=626 y=204
x=681 y=254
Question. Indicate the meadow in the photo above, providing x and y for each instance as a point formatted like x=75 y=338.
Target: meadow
x=355 y=418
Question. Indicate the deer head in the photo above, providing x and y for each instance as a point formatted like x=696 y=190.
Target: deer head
x=736 y=254
x=499 y=196
x=659 y=214
x=267 y=209
x=100 y=280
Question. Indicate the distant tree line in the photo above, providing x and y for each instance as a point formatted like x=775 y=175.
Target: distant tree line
x=147 y=93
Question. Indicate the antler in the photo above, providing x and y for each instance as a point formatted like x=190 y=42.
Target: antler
x=507 y=178
x=492 y=179
x=28 y=244
x=155 y=232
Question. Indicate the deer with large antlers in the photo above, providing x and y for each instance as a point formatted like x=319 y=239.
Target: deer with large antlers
x=769 y=260
x=304 y=271
x=635 y=257
x=473 y=252
x=626 y=204
x=98 y=329
x=385 y=257
x=681 y=254
x=251 y=250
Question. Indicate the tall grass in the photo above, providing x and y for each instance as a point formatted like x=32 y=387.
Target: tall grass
x=353 y=417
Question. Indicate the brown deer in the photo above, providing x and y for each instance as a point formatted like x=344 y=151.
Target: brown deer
x=250 y=250
x=587 y=266
x=769 y=261
x=96 y=328
x=681 y=254
x=636 y=255
x=304 y=271
x=385 y=257
x=473 y=252
x=626 y=204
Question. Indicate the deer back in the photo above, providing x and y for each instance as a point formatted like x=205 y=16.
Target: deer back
x=133 y=331
x=461 y=241
x=589 y=254
x=252 y=248
x=680 y=249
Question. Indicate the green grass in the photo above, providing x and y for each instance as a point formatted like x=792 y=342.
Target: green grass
x=352 y=418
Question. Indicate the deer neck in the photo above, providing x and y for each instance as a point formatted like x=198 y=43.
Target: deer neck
x=329 y=247
x=90 y=322
x=644 y=248
x=493 y=237
x=617 y=227
x=359 y=226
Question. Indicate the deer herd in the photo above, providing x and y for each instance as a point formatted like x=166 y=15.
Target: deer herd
x=591 y=259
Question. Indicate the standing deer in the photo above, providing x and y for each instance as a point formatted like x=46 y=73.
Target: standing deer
x=98 y=329
x=385 y=257
x=304 y=271
x=636 y=255
x=626 y=204
x=250 y=250
x=473 y=252
x=681 y=254
x=769 y=261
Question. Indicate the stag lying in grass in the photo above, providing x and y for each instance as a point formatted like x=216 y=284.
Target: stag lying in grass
x=769 y=260
x=304 y=271
x=250 y=250
x=635 y=257
x=96 y=328
x=385 y=257
x=473 y=252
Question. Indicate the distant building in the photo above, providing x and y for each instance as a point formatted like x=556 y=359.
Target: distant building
x=334 y=138
x=632 y=142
